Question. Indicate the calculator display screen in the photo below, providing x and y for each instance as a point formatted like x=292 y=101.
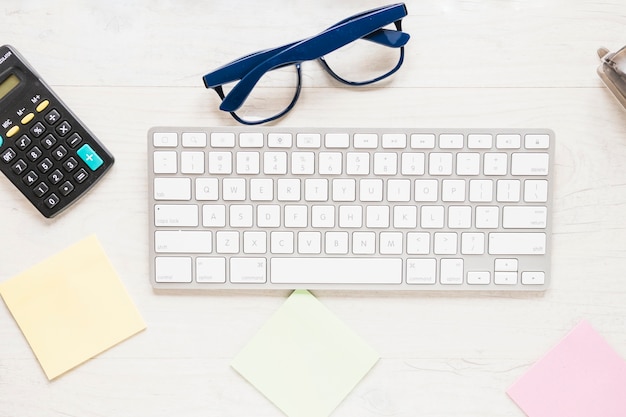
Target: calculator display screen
x=8 y=84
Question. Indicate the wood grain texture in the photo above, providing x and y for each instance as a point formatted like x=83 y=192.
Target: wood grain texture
x=126 y=66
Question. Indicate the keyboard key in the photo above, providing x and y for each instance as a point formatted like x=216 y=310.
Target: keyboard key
x=495 y=164
x=194 y=139
x=533 y=278
x=524 y=217
x=192 y=163
x=248 y=270
x=517 y=243
x=165 y=162
x=309 y=243
x=275 y=163
x=478 y=277
x=173 y=269
x=508 y=141
x=251 y=140
x=536 y=191
x=537 y=141
x=336 y=270
x=337 y=140
x=421 y=271
x=173 y=215
x=211 y=270
x=183 y=241
x=505 y=278
x=479 y=141
x=223 y=140
x=172 y=189
x=423 y=141
x=206 y=188
x=220 y=163
x=308 y=140
x=440 y=163
x=394 y=141
x=451 y=141
x=254 y=242
x=451 y=271
x=529 y=164
x=227 y=242
x=365 y=140
x=165 y=140
x=279 y=140
x=385 y=163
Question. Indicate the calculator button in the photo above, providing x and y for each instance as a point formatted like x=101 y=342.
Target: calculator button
x=11 y=132
x=74 y=140
x=49 y=141
x=34 y=153
x=90 y=157
x=38 y=129
x=8 y=155
x=42 y=106
x=59 y=153
x=19 y=167
x=81 y=176
x=66 y=188
x=23 y=142
x=30 y=178
x=28 y=118
x=41 y=189
x=51 y=201
x=45 y=166
x=70 y=164
x=55 y=177
x=52 y=117
x=1 y=141
x=64 y=128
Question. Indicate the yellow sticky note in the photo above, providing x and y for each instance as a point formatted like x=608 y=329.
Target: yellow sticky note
x=304 y=359
x=71 y=307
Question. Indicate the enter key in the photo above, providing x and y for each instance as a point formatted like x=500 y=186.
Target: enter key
x=524 y=217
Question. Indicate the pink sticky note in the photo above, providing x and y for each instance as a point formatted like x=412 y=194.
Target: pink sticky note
x=581 y=377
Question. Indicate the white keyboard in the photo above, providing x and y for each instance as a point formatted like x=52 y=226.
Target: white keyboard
x=398 y=209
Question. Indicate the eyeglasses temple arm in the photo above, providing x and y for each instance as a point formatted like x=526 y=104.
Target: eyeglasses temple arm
x=235 y=70
x=387 y=37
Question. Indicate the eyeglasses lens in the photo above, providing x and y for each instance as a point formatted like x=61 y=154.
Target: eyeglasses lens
x=272 y=95
x=363 y=61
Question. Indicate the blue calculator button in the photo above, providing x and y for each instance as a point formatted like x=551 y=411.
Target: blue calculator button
x=90 y=157
x=1 y=140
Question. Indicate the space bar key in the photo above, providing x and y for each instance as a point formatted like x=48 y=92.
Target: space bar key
x=336 y=270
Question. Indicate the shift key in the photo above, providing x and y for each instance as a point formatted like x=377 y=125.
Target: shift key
x=517 y=243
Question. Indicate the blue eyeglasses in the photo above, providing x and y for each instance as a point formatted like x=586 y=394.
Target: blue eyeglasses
x=359 y=50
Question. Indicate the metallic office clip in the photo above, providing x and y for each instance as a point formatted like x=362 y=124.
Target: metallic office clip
x=612 y=71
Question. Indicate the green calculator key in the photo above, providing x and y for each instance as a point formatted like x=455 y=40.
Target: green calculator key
x=90 y=157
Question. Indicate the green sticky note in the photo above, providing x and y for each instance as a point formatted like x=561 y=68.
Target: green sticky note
x=304 y=359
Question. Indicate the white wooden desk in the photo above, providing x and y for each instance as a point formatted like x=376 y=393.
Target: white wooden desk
x=126 y=66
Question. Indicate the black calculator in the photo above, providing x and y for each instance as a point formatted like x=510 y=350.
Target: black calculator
x=45 y=150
